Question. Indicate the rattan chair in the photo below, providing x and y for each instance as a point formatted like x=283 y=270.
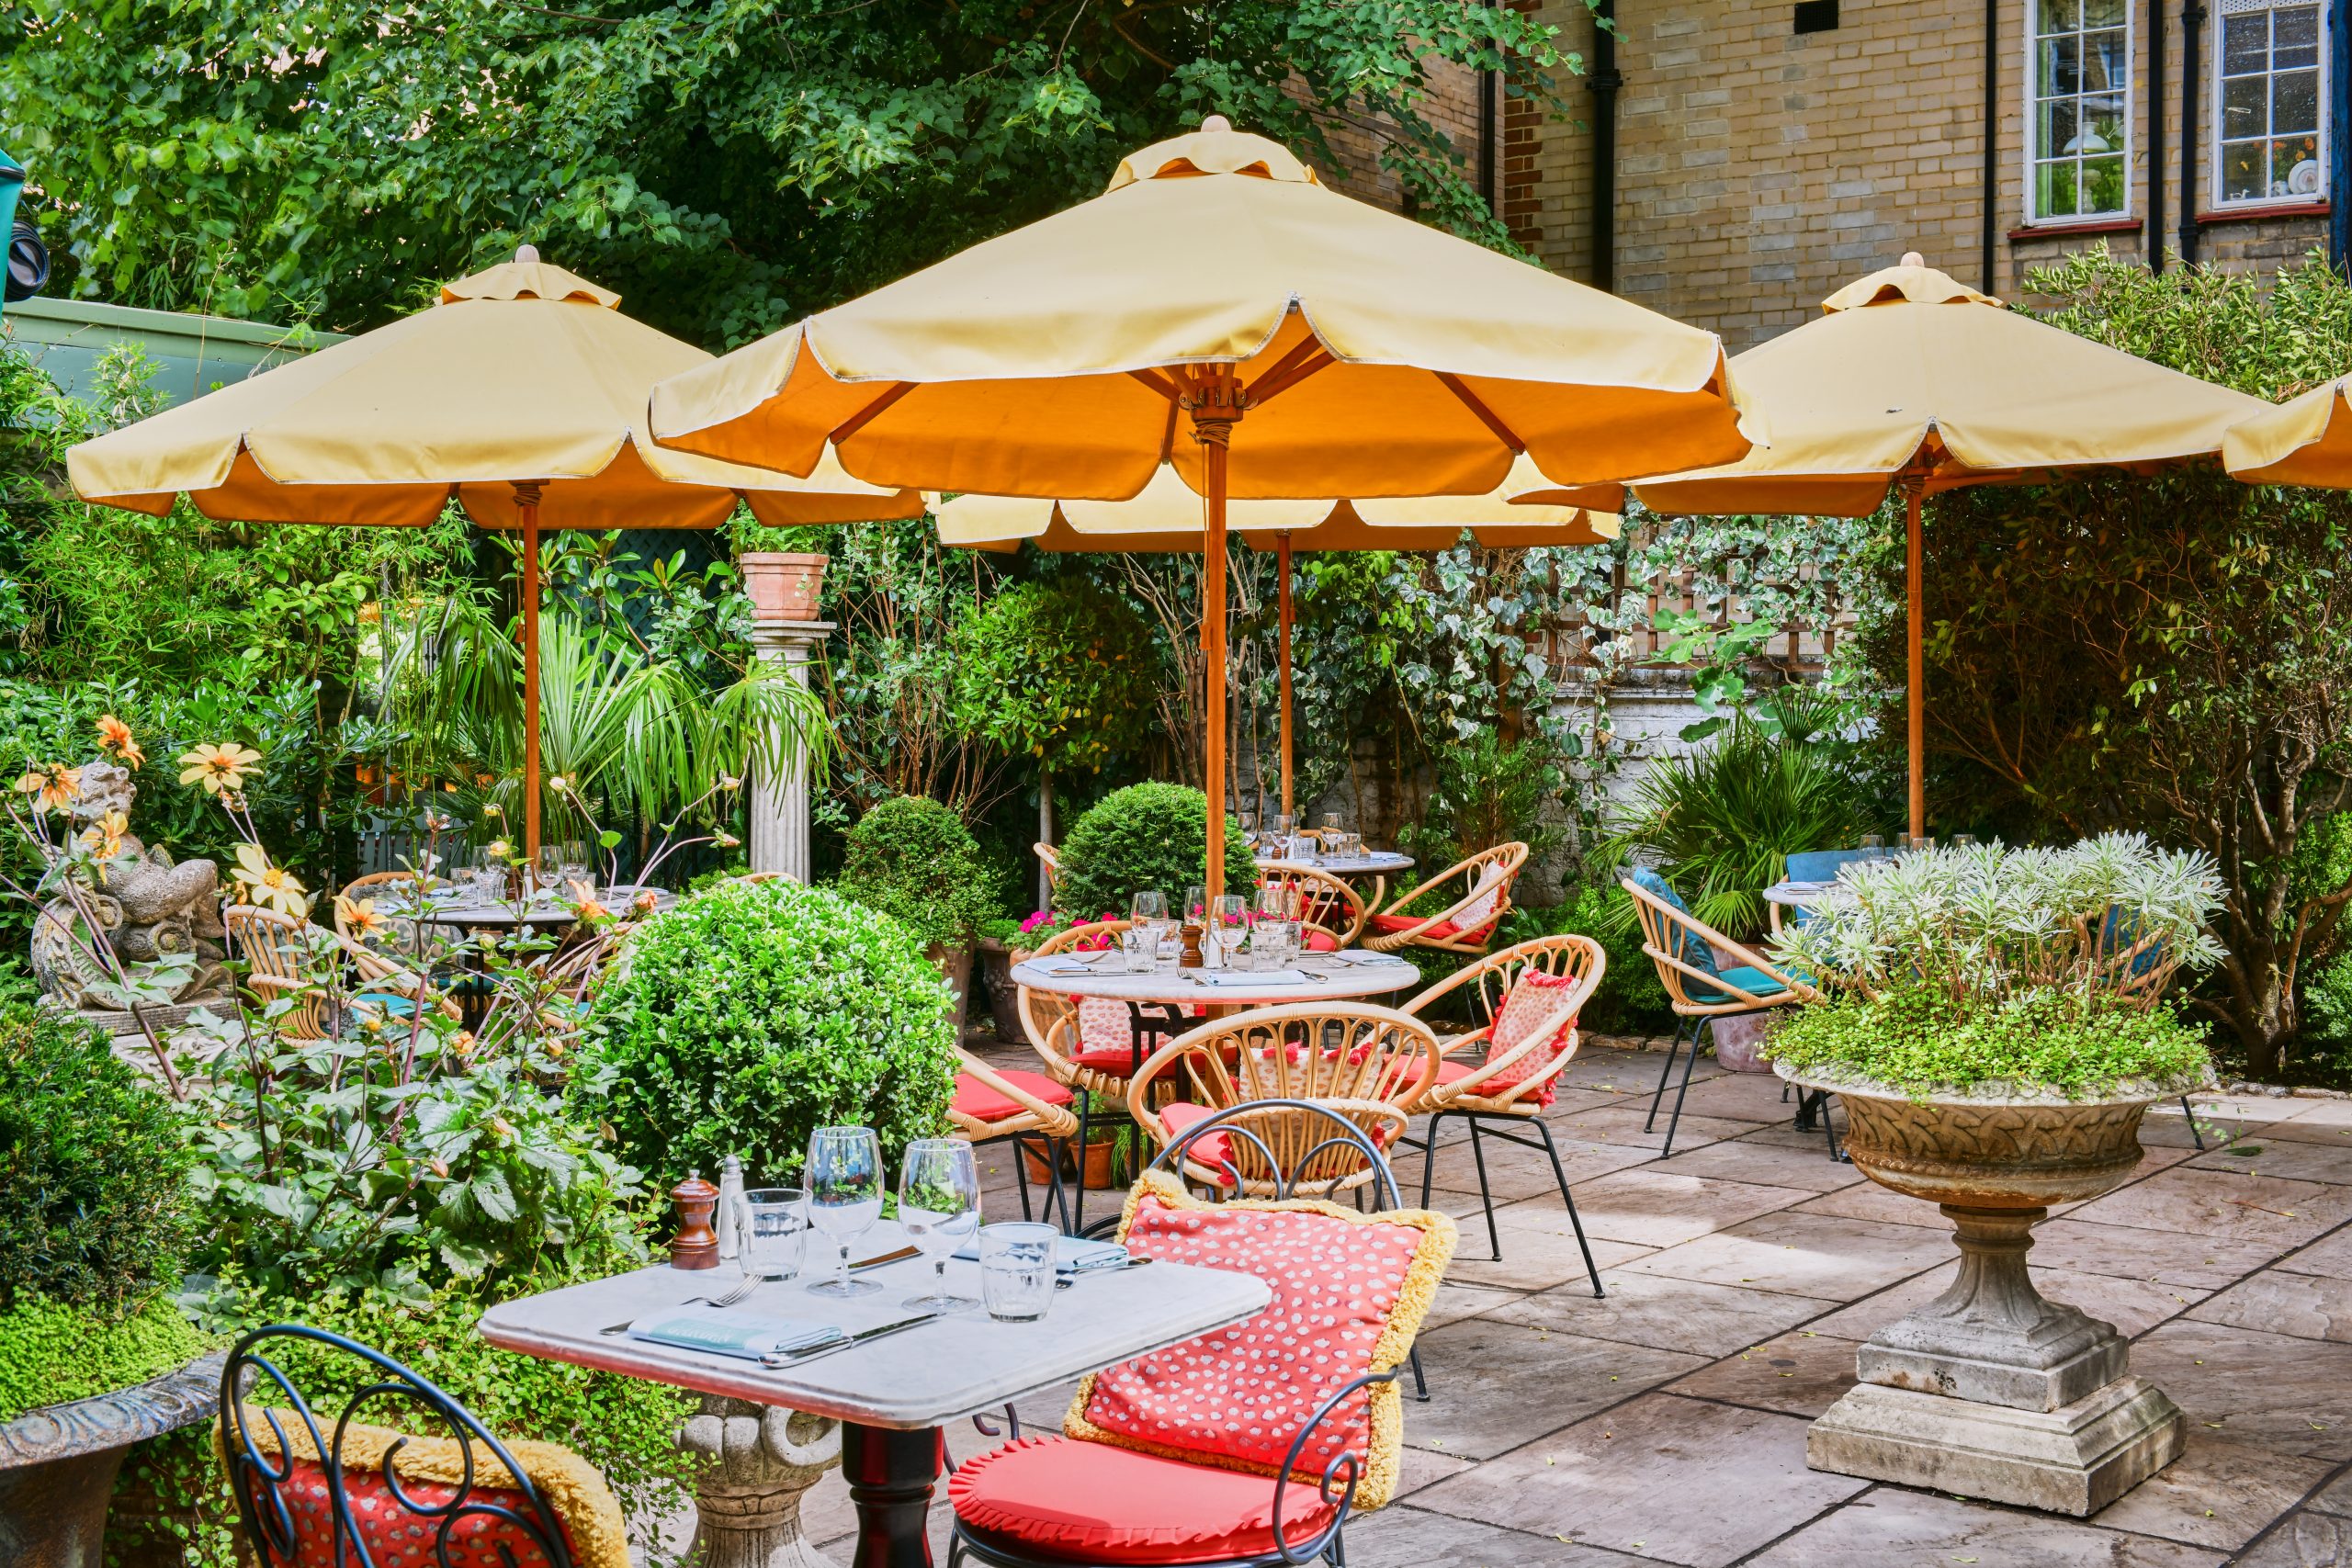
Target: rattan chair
x=1514 y=1085
x=283 y=957
x=1700 y=989
x=1326 y=903
x=1368 y=1064
x=992 y=1106
x=408 y=936
x=1050 y=858
x=1480 y=896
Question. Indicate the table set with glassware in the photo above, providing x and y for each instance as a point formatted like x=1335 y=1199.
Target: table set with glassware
x=1288 y=845
x=824 y=1277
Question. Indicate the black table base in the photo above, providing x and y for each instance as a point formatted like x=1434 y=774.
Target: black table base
x=890 y=1475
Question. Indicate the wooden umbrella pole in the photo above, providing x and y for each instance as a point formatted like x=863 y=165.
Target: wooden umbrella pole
x=526 y=502
x=1216 y=401
x=1281 y=565
x=1917 y=677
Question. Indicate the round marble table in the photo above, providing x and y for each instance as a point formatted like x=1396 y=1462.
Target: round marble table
x=1316 y=977
x=471 y=915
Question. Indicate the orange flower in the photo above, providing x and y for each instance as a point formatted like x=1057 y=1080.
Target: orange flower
x=359 y=916
x=54 y=784
x=115 y=739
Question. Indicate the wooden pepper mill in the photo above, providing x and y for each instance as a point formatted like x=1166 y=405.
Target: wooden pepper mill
x=1192 y=957
x=696 y=1245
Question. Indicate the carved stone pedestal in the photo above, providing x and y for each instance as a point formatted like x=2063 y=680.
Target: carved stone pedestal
x=748 y=1504
x=1991 y=1389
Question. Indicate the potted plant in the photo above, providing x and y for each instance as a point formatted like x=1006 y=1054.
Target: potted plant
x=913 y=859
x=1109 y=1152
x=93 y=1216
x=1995 y=1023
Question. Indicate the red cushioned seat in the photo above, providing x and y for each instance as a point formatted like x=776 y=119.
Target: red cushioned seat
x=1322 y=942
x=1103 y=1059
x=1444 y=930
x=1214 y=1149
x=1450 y=1070
x=983 y=1103
x=1094 y=1503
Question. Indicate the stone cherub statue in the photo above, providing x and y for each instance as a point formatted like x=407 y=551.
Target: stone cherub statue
x=150 y=907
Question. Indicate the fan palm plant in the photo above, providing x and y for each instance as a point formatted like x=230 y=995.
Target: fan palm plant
x=620 y=730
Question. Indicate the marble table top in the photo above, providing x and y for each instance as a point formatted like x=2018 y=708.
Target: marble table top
x=1807 y=894
x=1316 y=977
x=954 y=1365
x=1372 y=862
x=461 y=909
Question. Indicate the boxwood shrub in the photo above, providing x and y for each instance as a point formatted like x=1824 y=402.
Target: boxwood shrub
x=912 y=858
x=1145 y=836
x=755 y=1012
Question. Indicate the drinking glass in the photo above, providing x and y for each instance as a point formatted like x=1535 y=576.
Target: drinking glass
x=1352 y=846
x=1139 y=948
x=1278 y=902
x=1331 y=823
x=1229 y=922
x=1017 y=1270
x=1197 y=907
x=844 y=1197
x=1285 y=826
x=1150 y=907
x=576 y=866
x=550 y=867
x=1963 y=841
x=772 y=1229
x=1872 y=844
x=939 y=1202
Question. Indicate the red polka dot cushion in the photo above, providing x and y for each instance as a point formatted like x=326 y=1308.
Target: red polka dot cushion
x=1094 y=1503
x=431 y=1470
x=1532 y=1005
x=1350 y=1292
x=1106 y=1035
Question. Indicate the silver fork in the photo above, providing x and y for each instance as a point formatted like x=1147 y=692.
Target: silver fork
x=741 y=1289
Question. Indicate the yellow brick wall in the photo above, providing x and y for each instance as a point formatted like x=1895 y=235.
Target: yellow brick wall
x=1357 y=138
x=1757 y=170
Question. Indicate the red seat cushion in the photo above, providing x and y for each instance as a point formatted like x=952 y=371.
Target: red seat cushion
x=390 y=1531
x=1210 y=1149
x=1322 y=942
x=1444 y=930
x=1092 y=1502
x=1450 y=1070
x=982 y=1103
x=1534 y=998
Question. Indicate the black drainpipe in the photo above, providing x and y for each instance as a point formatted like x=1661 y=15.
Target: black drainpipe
x=1604 y=82
x=2339 y=130
x=2156 y=139
x=2192 y=50
x=1992 y=138
x=1489 y=93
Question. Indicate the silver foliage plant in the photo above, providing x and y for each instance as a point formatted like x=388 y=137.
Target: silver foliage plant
x=2111 y=917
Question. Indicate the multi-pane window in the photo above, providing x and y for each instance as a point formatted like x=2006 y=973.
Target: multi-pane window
x=2267 y=92
x=2079 y=140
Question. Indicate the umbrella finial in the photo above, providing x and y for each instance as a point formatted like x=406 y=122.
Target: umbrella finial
x=527 y=253
x=1913 y=258
x=1216 y=122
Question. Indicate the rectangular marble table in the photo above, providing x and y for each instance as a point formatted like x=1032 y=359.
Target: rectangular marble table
x=891 y=1397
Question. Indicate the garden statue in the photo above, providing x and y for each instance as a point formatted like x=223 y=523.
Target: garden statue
x=155 y=911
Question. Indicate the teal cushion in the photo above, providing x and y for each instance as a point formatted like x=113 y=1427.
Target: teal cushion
x=1748 y=978
x=393 y=1006
x=1821 y=865
x=1693 y=949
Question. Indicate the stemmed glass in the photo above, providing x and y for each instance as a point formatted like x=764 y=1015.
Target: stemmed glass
x=844 y=1179
x=549 y=866
x=939 y=1202
x=1230 y=921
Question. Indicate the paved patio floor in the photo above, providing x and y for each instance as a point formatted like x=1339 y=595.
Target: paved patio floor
x=1666 y=1422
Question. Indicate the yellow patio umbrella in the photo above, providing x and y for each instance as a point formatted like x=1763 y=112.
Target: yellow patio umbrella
x=1308 y=345
x=1910 y=378
x=1526 y=510
x=520 y=396
x=2303 y=441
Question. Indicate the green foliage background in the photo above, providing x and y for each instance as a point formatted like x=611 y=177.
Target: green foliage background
x=1147 y=836
x=912 y=858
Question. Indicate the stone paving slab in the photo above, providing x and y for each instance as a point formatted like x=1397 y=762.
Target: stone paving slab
x=2266 y=1209
x=1894 y=1525
x=2218 y=1494
x=1659 y=1206
x=1810 y=1255
x=1495 y=1385
x=2309 y=1306
x=2132 y=1305
x=1663 y=1312
x=1796 y=1374
x=2279 y=1393
x=1807 y=1168
x=2168 y=1258
x=2271 y=1151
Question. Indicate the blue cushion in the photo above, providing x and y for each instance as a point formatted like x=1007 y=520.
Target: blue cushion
x=1753 y=981
x=1693 y=948
x=2118 y=932
x=1821 y=865
x=393 y=1006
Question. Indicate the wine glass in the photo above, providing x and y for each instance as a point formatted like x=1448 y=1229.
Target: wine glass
x=576 y=866
x=939 y=1202
x=1149 y=907
x=1196 y=904
x=1230 y=921
x=550 y=867
x=844 y=1179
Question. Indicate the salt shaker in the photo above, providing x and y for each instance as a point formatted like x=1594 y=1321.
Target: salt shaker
x=730 y=1200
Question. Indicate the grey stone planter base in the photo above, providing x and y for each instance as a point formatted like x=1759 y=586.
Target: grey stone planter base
x=2075 y=1460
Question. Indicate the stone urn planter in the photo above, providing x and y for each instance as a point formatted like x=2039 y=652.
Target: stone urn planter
x=1991 y=1390
x=782 y=585
x=1004 y=998
x=57 y=1463
x=955 y=969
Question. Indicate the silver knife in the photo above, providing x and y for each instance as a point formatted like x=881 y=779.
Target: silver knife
x=781 y=1361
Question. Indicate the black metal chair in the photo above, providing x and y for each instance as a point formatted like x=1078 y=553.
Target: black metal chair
x=355 y=1493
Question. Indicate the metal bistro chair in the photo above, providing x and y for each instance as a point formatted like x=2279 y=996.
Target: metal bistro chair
x=1530 y=997
x=312 y=1495
x=993 y=1106
x=1700 y=990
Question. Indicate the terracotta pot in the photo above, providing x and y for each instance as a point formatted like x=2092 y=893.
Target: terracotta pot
x=782 y=586
x=1004 y=997
x=1100 y=1177
x=955 y=969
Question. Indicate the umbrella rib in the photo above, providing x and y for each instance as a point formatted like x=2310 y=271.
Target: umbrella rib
x=1158 y=383
x=1469 y=399
x=1285 y=375
x=871 y=411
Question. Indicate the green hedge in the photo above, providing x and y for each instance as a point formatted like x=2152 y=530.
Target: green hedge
x=1145 y=836
x=914 y=859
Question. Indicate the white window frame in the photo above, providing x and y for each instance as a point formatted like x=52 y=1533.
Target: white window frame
x=2033 y=137
x=2215 y=201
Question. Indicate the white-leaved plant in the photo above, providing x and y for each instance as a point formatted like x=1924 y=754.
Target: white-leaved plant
x=2111 y=917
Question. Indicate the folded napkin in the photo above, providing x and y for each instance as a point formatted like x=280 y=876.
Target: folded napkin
x=1072 y=1255
x=1070 y=968
x=727 y=1333
x=1251 y=976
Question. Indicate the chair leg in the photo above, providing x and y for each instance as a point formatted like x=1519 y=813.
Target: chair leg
x=1428 y=1154
x=1420 y=1380
x=1085 y=1111
x=1486 y=1193
x=1567 y=1198
x=1057 y=1189
x=1672 y=1047
x=1020 y=1172
x=1830 y=1132
x=1688 y=1063
x=2191 y=1112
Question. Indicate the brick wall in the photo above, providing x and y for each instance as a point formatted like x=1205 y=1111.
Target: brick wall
x=1357 y=138
x=1758 y=169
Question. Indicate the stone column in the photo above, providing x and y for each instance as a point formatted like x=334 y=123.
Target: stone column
x=763 y=1459
x=779 y=805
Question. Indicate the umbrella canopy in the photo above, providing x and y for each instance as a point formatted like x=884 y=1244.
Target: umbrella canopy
x=1911 y=378
x=2304 y=440
x=1527 y=510
x=1316 y=347
x=521 y=395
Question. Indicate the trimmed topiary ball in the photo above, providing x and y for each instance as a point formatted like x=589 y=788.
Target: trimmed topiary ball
x=912 y=858
x=1145 y=836
x=94 y=1161
x=756 y=1012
